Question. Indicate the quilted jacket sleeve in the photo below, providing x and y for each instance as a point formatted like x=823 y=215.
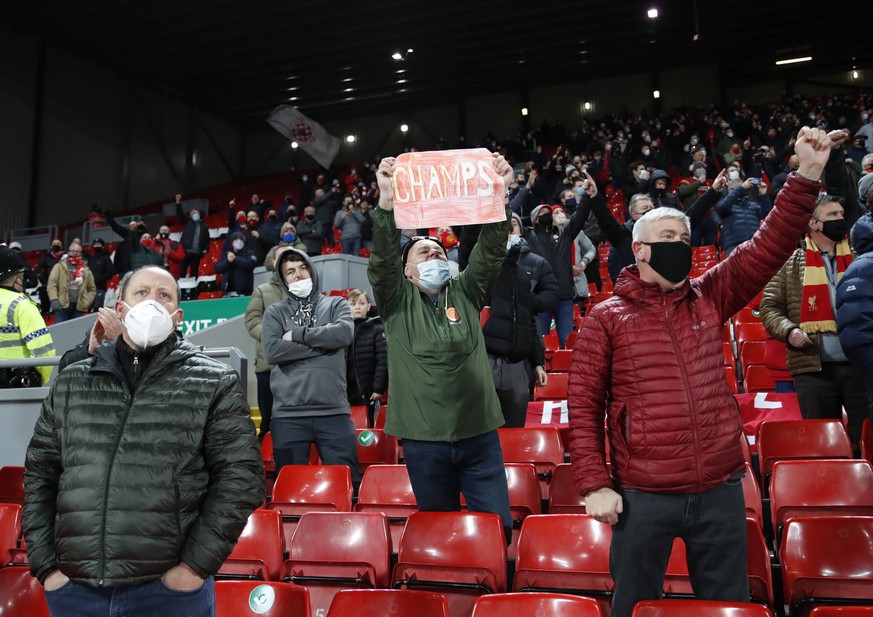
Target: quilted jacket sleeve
x=236 y=479
x=588 y=385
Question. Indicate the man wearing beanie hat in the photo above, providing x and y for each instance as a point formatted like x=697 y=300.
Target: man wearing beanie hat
x=25 y=335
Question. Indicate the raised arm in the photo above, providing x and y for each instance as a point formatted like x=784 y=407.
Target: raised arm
x=385 y=272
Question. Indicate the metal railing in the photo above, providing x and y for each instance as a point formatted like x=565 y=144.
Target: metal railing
x=32 y=238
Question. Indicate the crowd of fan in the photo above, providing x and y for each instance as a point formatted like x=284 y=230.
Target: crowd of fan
x=743 y=152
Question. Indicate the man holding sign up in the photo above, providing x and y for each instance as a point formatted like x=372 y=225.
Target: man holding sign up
x=441 y=395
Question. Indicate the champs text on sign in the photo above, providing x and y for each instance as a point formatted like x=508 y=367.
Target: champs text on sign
x=449 y=187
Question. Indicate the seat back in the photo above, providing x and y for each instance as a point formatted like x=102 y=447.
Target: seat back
x=826 y=559
x=564 y=552
x=385 y=602
x=800 y=439
x=554 y=390
x=524 y=498
x=21 y=593
x=753 y=354
x=699 y=608
x=360 y=416
x=820 y=486
x=271 y=599
x=750 y=331
x=459 y=554
x=331 y=551
x=560 y=362
x=757 y=378
x=386 y=488
x=310 y=488
x=842 y=611
x=536 y=603
x=564 y=498
x=752 y=495
x=12 y=484
x=867 y=440
x=540 y=445
x=10 y=531
x=375 y=447
x=259 y=551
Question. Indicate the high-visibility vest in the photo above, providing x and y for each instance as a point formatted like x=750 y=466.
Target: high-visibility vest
x=23 y=333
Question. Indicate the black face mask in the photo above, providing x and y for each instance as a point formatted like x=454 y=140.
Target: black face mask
x=672 y=260
x=56 y=249
x=835 y=229
x=545 y=220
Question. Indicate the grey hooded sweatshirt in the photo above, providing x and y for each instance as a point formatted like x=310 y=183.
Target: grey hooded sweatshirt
x=308 y=377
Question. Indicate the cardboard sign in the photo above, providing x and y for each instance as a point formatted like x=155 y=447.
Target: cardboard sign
x=448 y=187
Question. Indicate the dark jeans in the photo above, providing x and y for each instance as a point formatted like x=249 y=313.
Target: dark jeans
x=563 y=313
x=66 y=314
x=440 y=471
x=265 y=402
x=824 y=394
x=713 y=526
x=352 y=246
x=334 y=438
x=149 y=600
x=190 y=263
x=704 y=233
x=327 y=234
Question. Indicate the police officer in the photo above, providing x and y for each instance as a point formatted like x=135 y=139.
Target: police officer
x=23 y=333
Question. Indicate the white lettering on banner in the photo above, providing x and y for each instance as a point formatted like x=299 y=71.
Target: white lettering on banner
x=550 y=406
x=761 y=402
x=424 y=182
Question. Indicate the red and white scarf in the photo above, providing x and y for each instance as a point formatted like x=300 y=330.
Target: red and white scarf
x=816 y=312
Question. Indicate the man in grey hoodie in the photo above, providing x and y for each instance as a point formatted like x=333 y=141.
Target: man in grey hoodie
x=305 y=337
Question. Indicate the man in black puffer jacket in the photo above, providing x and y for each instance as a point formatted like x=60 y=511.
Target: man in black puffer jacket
x=142 y=470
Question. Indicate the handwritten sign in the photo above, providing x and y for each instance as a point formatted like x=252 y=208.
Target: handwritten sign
x=448 y=187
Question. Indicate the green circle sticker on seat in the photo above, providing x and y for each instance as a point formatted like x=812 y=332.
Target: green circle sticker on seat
x=261 y=599
x=366 y=438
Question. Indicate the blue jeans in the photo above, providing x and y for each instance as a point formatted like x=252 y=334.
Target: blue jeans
x=713 y=526
x=153 y=599
x=352 y=246
x=563 y=313
x=440 y=471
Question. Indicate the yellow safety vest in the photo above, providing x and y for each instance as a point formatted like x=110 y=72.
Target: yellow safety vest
x=23 y=333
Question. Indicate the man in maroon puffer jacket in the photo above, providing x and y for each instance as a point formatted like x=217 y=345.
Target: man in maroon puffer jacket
x=650 y=360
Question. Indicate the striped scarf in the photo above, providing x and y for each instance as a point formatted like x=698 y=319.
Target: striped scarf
x=816 y=312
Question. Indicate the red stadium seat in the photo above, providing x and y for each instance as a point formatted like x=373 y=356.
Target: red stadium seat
x=524 y=498
x=259 y=551
x=753 y=354
x=331 y=551
x=310 y=488
x=774 y=360
x=564 y=498
x=551 y=342
x=819 y=487
x=800 y=439
x=360 y=416
x=746 y=315
x=757 y=378
x=842 y=611
x=12 y=484
x=826 y=560
x=565 y=553
x=554 y=390
x=535 y=603
x=754 y=331
x=10 y=531
x=271 y=599
x=867 y=440
x=752 y=496
x=375 y=447
x=539 y=445
x=21 y=594
x=459 y=554
x=699 y=608
x=386 y=488
x=731 y=375
x=381 y=416
x=728 y=352
x=560 y=361
x=388 y=603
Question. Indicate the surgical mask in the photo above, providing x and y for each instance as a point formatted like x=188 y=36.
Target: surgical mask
x=301 y=288
x=864 y=117
x=694 y=141
x=734 y=175
x=730 y=134
x=560 y=218
x=238 y=245
x=195 y=218
x=580 y=192
x=672 y=260
x=514 y=240
x=433 y=274
x=646 y=152
x=289 y=237
x=148 y=323
x=835 y=229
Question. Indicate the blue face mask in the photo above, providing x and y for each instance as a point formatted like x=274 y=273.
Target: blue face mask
x=433 y=274
x=580 y=191
x=195 y=217
x=289 y=237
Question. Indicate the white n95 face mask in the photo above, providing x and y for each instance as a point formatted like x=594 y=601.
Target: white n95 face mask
x=301 y=288
x=148 y=323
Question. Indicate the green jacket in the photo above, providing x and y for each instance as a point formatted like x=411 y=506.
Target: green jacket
x=263 y=296
x=440 y=386
x=121 y=486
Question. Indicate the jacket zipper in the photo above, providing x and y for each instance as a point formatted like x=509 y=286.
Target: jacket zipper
x=687 y=387
x=127 y=407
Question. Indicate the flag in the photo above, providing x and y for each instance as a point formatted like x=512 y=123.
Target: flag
x=310 y=135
